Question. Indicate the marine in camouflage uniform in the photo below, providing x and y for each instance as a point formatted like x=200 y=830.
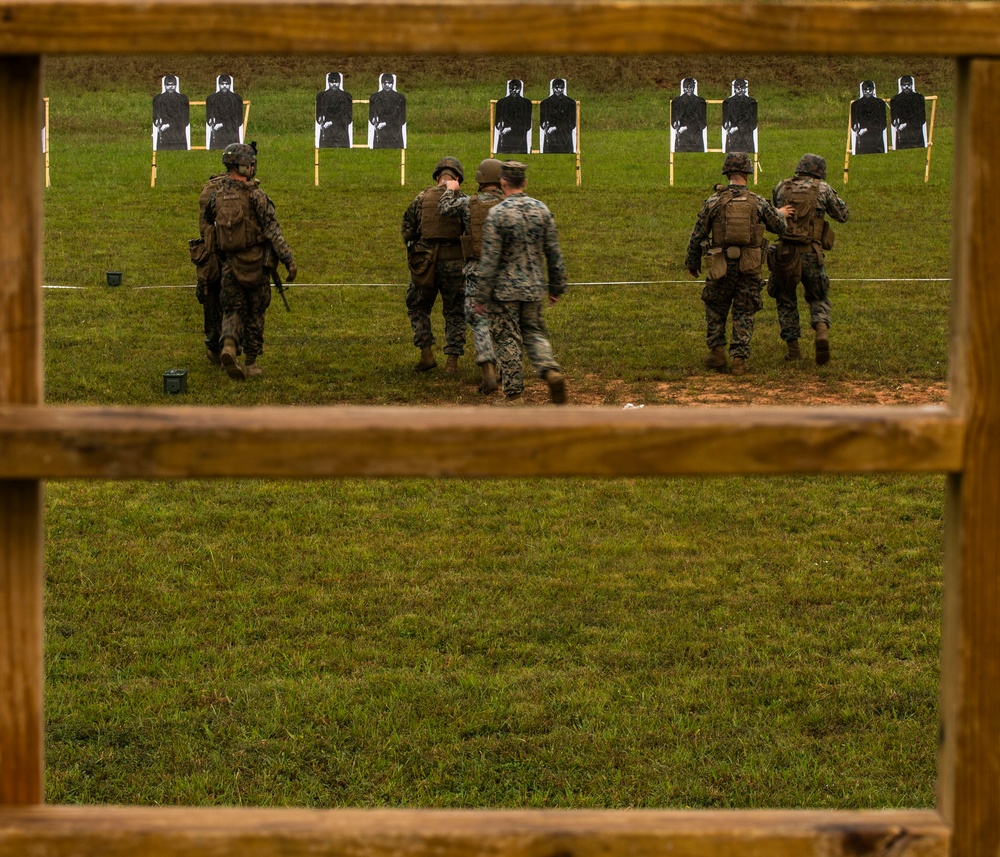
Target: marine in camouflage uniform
x=798 y=256
x=519 y=243
x=245 y=294
x=472 y=212
x=209 y=285
x=733 y=284
x=429 y=235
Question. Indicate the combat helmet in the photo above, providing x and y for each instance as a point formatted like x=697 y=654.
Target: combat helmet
x=241 y=157
x=737 y=162
x=453 y=165
x=488 y=171
x=812 y=165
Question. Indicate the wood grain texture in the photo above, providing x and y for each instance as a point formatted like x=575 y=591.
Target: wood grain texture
x=180 y=832
x=21 y=115
x=969 y=766
x=485 y=27
x=21 y=642
x=171 y=443
x=21 y=538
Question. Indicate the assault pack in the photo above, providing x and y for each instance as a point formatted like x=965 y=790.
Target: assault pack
x=236 y=228
x=736 y=223
x=737 y=233
x=804 y=227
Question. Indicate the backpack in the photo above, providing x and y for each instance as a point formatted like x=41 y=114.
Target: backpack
x=236 y=228
x=735 y=222
x=803 y=226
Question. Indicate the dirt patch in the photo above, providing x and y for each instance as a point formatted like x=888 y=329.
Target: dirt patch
x=723 y=391
x=727 y=391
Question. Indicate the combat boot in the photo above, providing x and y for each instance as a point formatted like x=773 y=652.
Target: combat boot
x=427 y=361
x=512 y=400
x=557 y=386
x=489 y=384
x=252 y=370
x=229 y=361
x=739 y=366
x=794 y=352
x=822 y=343
x=214 y=357
x=717 y=359
x=451 y=365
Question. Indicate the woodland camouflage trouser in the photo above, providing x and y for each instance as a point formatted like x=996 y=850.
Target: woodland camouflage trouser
x=480 y=324
x=449 y=281
x=243 y=310
x=739 y=293
x=517 y=324
x=213 y=315
x=816 y=285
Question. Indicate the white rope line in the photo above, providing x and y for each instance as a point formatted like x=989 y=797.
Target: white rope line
x=294 y=286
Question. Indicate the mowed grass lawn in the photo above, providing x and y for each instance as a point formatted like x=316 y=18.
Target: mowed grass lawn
x=573 y=643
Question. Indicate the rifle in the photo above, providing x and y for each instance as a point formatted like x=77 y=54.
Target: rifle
x=276 y=279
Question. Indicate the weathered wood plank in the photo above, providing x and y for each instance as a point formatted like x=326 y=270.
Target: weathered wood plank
x=21 y=633
x=969 y=766
x=170 y=443
x=173 y=443
x=180 y=832
x=493 y=26
x=21 y=641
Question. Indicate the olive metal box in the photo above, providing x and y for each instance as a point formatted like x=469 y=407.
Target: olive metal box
x=175 y=381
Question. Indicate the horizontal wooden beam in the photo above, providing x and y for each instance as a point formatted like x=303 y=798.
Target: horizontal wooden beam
x=184 y=442
x=182 y=832
x=496 y=27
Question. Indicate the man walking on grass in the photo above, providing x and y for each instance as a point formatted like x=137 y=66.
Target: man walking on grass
x=434 y=257
x=798 y=256
x=472 y=212
x=519 y=244
x=249 y=237
x=730 y=230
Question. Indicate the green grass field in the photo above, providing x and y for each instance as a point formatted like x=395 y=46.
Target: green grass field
x=570 y=643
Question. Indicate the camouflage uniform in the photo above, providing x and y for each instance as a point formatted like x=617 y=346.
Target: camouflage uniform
x=815 y=282
x=519 y=241
x=210 y=279
x=245 y=298
x=448 y=280
x=456 y=204
x=735 y=291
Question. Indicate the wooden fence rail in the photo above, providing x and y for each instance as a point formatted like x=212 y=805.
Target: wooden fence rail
x=962 y=440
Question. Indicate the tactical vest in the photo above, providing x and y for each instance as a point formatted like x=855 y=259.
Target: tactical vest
x=804 y=227
x=736 y=223
x=236 y=228
x=478 y=209
x=433 y=225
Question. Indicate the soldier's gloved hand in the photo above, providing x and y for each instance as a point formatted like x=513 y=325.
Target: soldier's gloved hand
x=694 y=272
x=293 y=272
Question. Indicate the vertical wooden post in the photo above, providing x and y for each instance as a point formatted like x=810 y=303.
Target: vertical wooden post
x=47 y=178
x=21 y=584
x=493 y=128
x=933 y=99
x=579 y=175
x=847 y=153
x=969 y=763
